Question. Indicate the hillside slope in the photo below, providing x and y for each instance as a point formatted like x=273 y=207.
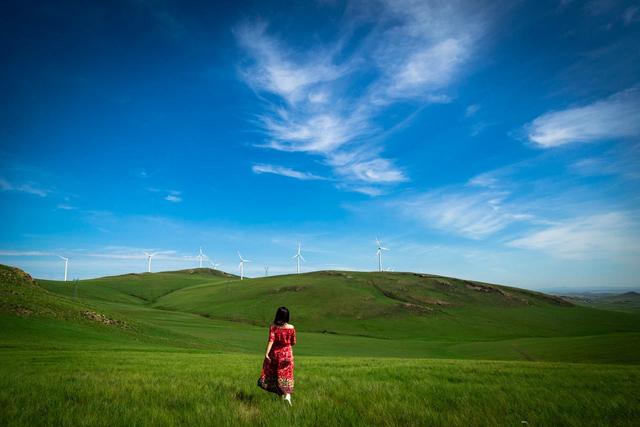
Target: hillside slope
x=397 y=305
x=33 y=317
x=136 y=288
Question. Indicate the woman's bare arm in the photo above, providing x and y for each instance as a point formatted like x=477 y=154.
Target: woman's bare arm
x=266 y=354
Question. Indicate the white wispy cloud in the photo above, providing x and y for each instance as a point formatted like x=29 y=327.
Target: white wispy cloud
x=463 y=211
x=317 y=102
x=471 y=110
x=613 y=117
x=372 y=171
x=430 y=68
x=174 y=196
x=136 y=253
x=28 y=187
x=279 y=69
x=65 y=207
x=621 y=162
x=284 y=171
x=521 y=206
x=583 y=238
x=12 y=253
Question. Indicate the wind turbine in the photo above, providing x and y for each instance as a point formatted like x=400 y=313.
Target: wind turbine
x=213 y=264
x=201 y=256
x=266 y=271
x=298 y=257
x=241 y=265
x=66 y=266
x=149 y=256
x=379 y=253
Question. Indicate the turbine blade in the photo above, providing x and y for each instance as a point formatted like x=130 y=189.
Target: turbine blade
x=302 y=258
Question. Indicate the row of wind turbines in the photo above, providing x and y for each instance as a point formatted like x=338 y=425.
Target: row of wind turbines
x=201 y=257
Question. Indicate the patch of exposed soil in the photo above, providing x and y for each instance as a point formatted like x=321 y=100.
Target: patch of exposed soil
x=415 y=308
x=14 y=276
x=21 y=311
x=289 y=289
x=101 y=318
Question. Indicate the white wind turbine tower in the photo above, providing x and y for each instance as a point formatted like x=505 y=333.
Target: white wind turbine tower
x=241 y=265
x=66 y=266
x=149 y=256
x=266 y=271
x=298 y=257
x=201 y=256
x=379 y=253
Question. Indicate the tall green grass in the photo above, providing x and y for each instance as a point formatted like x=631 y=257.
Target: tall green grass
x=70 y=388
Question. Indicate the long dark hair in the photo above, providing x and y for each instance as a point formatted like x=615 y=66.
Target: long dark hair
x=282 y=316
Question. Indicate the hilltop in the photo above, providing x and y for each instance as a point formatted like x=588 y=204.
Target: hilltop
x=139 y=288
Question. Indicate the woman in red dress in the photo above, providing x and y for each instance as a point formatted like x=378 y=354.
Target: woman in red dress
x=277 y=368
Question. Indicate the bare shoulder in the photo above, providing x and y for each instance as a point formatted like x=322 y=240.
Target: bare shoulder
x=289 y=326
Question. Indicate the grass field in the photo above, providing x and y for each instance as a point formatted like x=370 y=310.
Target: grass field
x=374 y=349
x=167 y=388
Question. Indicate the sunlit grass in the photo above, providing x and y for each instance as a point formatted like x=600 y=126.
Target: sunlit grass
x=149 y=388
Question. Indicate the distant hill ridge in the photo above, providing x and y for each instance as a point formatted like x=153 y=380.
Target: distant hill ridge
x=189 y=271
x=632 y=294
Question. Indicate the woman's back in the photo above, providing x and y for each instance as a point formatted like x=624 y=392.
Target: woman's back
x=282 y=335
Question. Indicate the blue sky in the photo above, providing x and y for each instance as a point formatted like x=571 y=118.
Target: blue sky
x=497 y=141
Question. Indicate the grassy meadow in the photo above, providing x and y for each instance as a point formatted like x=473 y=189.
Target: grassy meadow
x=374 y=349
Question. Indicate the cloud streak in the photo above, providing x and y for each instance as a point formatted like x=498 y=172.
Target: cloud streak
x=174 y=196
x=463 y=211
x=611 y=118
x=29 y=188
x=584 y=238
x=13 y=253
x=284 y=171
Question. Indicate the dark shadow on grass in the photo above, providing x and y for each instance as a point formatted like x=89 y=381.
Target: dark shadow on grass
x=244 y=397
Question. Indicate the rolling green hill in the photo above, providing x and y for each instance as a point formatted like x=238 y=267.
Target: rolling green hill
x=356 y=313
x=397 y=306
x=32 y=316
x=137 y=288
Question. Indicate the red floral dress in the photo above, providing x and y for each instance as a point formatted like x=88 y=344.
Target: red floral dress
x=277 y=373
